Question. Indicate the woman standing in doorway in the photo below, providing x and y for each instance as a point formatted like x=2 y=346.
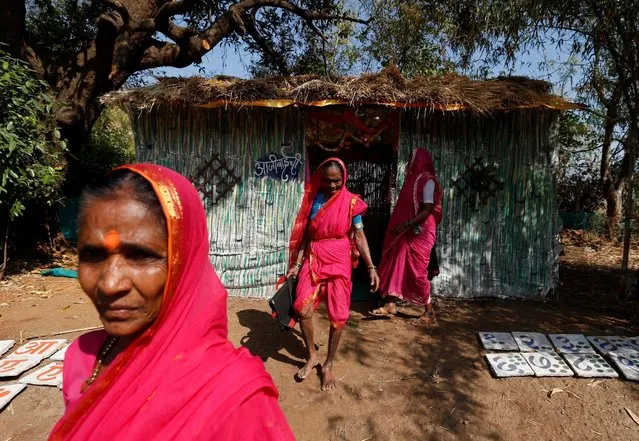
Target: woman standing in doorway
x=327 y=240
x=410 y=239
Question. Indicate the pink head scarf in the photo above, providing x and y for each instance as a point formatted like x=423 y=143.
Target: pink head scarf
x=420 y=169
x=182 y=376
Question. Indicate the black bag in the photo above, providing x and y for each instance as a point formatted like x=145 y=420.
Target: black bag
x=282 y=304
x=433 y=264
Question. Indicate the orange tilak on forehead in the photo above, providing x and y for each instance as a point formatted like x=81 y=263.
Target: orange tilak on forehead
x=112 y=240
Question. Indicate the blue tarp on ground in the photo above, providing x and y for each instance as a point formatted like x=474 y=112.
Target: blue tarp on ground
x=60 y=272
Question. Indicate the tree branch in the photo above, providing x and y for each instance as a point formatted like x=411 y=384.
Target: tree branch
x=589 y=149
x=618 y=60
x=600 y=115
x=564 y=28
x=173 y=8
x=275 y=56
x=193 y=47
x=117 y=6
x=164 y=24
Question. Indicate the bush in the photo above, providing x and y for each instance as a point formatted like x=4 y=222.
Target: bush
x=109 y=145
x=31 y=152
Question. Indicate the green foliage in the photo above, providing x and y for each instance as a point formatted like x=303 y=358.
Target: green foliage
x=595 y=42
x=110 y=145
x=61 y=28
x=329 y=48
x=31 y=151
x=402 y=33
x=578 y=179
x=111 y=139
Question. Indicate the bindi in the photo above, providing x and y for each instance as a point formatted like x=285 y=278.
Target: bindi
x=112 y=240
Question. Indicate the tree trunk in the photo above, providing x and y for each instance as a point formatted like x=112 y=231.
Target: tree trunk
x=613 y=209
x=12 y=15
x=629 y=208
x=5 y=246
x=80 y=89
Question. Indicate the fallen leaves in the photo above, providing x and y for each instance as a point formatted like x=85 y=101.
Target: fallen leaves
x=554 y=391
x=557 y=390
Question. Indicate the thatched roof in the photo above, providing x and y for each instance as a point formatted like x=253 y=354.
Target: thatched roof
x=388 y=87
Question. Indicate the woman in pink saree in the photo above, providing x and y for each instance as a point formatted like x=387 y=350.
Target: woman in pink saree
x=163 y=368
x=410 y=238
x=326 y=243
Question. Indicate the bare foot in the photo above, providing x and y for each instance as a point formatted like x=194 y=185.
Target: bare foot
x=427 y=320
x=307 y=369
x=328 y=380
x=384 y=311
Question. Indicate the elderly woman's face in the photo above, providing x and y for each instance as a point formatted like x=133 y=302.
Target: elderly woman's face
x=123 y=263
x=333 y=181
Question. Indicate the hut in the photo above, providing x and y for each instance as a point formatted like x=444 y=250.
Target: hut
x=248 y=146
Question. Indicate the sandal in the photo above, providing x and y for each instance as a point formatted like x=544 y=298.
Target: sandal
x=427 y=320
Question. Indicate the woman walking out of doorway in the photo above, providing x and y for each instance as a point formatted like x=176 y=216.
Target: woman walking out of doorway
x=410 y=239
x=327 y=240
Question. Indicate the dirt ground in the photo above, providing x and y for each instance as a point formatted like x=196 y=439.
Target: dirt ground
x=396 y=382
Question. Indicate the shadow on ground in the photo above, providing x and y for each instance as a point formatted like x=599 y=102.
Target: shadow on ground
x=398 y=382
x=267 y=341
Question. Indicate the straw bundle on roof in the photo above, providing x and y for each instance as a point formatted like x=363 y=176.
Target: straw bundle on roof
x=388 y=87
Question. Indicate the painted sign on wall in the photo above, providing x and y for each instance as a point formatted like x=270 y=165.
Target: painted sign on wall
x=280 y=166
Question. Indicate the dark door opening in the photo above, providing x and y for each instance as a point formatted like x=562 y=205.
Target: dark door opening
x=365 y=139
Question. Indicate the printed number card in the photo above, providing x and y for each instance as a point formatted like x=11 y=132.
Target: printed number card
x=49 y=375
x=498 y=341
x=548 y=364
x=8 y=393
x=532 y=341
x=59 y=356
x=612 y=345
x=14 y=365
x=5 y=345
x=571 y=344
x=633 y=342
x=41 y=348
x=590 y=365
x=509 y=365
x=627 y=364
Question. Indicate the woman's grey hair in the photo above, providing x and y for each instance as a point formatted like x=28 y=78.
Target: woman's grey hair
x=122 y=181
x=333 y=163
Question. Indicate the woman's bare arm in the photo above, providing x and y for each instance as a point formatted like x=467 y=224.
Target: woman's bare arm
x=425 y=211
x=362 y=247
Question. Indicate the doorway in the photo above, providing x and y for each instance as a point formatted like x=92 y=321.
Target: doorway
x=366 y=140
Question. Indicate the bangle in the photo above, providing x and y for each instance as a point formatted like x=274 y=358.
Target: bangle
x=372 y=267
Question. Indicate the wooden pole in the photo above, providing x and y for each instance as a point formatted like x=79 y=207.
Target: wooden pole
x=69 y=331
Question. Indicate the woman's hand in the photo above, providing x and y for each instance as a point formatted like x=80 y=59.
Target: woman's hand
x=293 y=272
x=372 y=273
x=399 y=228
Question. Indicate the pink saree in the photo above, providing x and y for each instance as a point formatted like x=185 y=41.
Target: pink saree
x=331 y=254
x=403 y=271
x=181 y=379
